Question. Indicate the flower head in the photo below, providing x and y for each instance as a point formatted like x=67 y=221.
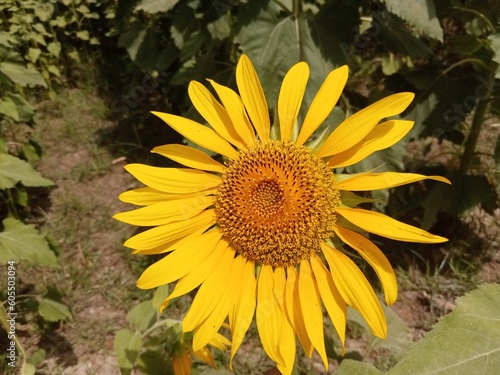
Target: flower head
x=254 y=234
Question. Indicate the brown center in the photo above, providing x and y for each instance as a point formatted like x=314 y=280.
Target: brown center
x=276 y=203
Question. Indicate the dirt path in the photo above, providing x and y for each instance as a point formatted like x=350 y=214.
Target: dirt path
x=95 y=276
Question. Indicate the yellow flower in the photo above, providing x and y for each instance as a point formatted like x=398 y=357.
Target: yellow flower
x=254 y=234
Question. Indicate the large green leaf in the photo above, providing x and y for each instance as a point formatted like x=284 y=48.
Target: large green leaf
x=19 y=241
x=14 y=170
x=17 y=73
x=394 y=34
x=465 y=342
x=421 y=14
x=350 y=367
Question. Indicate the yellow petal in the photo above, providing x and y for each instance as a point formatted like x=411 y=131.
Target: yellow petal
x=290 y=97
x=199 y=134
x=204 y=355
x=173 y=180
x=165 y=234
x=174 y=244
x=145 y=196
x=180 y=262
x=293 y=310
x=220 y=342
x=190 y=157
x=323 y=103
x=253 y=97
x=384 y=180
x=333 y=301
x=356 y=290
x=209 y=294
x=361 y=123
x=374 y=256
x=268 y=315
x=377 y=223
x=215 y=114
x=382 y=136
x=244 y=308
x=310 y=304
x=182 y=364
x=198 y=275
x=165 y=212
x=236 y=111
x=231 y=287
x=286 y=346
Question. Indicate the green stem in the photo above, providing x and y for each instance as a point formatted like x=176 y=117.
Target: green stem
x=297 y=8
x=477 y=121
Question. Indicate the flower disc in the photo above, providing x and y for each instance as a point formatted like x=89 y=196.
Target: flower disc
x=276 y=203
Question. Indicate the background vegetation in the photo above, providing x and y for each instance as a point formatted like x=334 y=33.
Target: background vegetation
x=77 y=81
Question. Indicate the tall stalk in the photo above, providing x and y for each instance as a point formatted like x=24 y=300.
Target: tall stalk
x=477 y=121
x=296 y=8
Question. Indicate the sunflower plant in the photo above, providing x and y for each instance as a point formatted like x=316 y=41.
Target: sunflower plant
x=265 y=233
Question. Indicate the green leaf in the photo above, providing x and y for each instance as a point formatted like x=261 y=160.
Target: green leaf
x=221 y=28
x=8 y=108
x=83 y=9
x=142 y=316
x=54 y=70
x=351 y=367
x=161 y=295
x=394 y=34
x=464 y=193
x=19 y=241
x=54 y=48
x=83 y=35
x=34 y=54
x=466 y=341
x=127 y=346
x=44 y=11
x=421 y=14
x=7 y=40
x=17 y=73
x=27 y=369
x=397 y=341
x=24 y=109
x=495 y=46
x=52 y=311
x=14 y=170
x=132 y=41
x=156 y=6
x=37 y=357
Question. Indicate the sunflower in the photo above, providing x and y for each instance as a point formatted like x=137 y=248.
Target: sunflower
x=259 y=234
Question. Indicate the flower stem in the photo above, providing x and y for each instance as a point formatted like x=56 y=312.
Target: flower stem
x=297 y=8
x=477 y=121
